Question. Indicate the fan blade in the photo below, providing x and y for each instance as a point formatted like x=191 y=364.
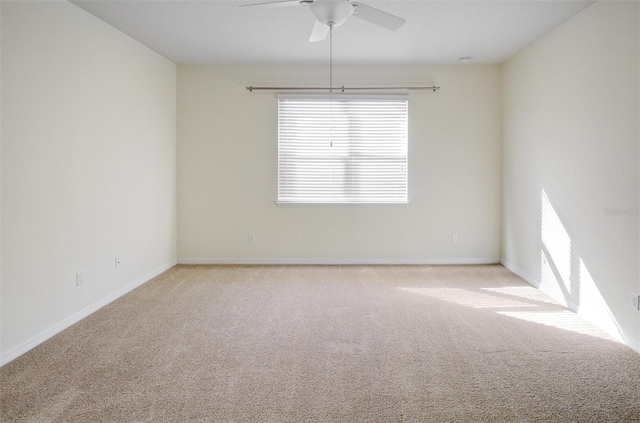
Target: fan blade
x=319 y=32
x=284 y=3
x=378 y=17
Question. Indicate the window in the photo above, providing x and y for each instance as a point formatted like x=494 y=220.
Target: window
x=349 y=150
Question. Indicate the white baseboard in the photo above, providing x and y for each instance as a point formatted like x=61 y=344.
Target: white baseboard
x=76 y=317
x=527 y=278
x=339 y=261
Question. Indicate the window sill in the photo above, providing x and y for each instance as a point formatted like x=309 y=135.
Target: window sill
x=332 y=205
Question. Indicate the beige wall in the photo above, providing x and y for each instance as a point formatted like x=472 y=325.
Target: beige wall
x=571 y=135
x=227 y=171
x=88 y=167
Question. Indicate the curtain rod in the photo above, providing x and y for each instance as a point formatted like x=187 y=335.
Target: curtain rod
x=342 y=89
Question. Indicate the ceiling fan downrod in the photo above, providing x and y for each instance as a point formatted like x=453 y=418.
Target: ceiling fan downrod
x=331 y=24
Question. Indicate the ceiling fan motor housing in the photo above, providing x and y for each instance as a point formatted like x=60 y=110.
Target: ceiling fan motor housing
x=334 y=12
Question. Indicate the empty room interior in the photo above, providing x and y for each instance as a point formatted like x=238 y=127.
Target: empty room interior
x=388 y=211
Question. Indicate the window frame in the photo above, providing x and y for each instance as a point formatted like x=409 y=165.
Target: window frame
x=349 y=159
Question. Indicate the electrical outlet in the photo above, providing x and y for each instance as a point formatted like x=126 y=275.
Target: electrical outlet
x=79 y=278
x=635 y=301
x=454 y=238
x=250 y=238
x=117 y=262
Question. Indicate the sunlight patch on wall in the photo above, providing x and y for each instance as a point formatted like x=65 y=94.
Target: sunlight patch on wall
x=592 y=305
x=565 y=277
x=555 y=272
x=550 y=282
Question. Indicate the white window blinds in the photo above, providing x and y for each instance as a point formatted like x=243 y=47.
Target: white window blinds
x=349 y=150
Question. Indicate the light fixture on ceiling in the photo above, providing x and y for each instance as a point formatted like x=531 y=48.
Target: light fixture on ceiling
x=465 y=59
x=337 y=11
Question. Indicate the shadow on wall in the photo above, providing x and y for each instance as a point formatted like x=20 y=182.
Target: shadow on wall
x=565 y=277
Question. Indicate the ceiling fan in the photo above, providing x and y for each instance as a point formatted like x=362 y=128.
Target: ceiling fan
x=333 y=13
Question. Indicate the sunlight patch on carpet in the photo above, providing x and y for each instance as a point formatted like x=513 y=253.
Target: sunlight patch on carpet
x=565 y=320
x=468 y=298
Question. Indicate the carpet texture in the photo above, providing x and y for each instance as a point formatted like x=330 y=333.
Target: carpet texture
x=327 y=344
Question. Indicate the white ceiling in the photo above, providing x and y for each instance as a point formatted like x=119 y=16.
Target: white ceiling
x=436 y=32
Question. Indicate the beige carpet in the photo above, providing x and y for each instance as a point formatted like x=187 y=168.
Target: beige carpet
x=327 y=344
